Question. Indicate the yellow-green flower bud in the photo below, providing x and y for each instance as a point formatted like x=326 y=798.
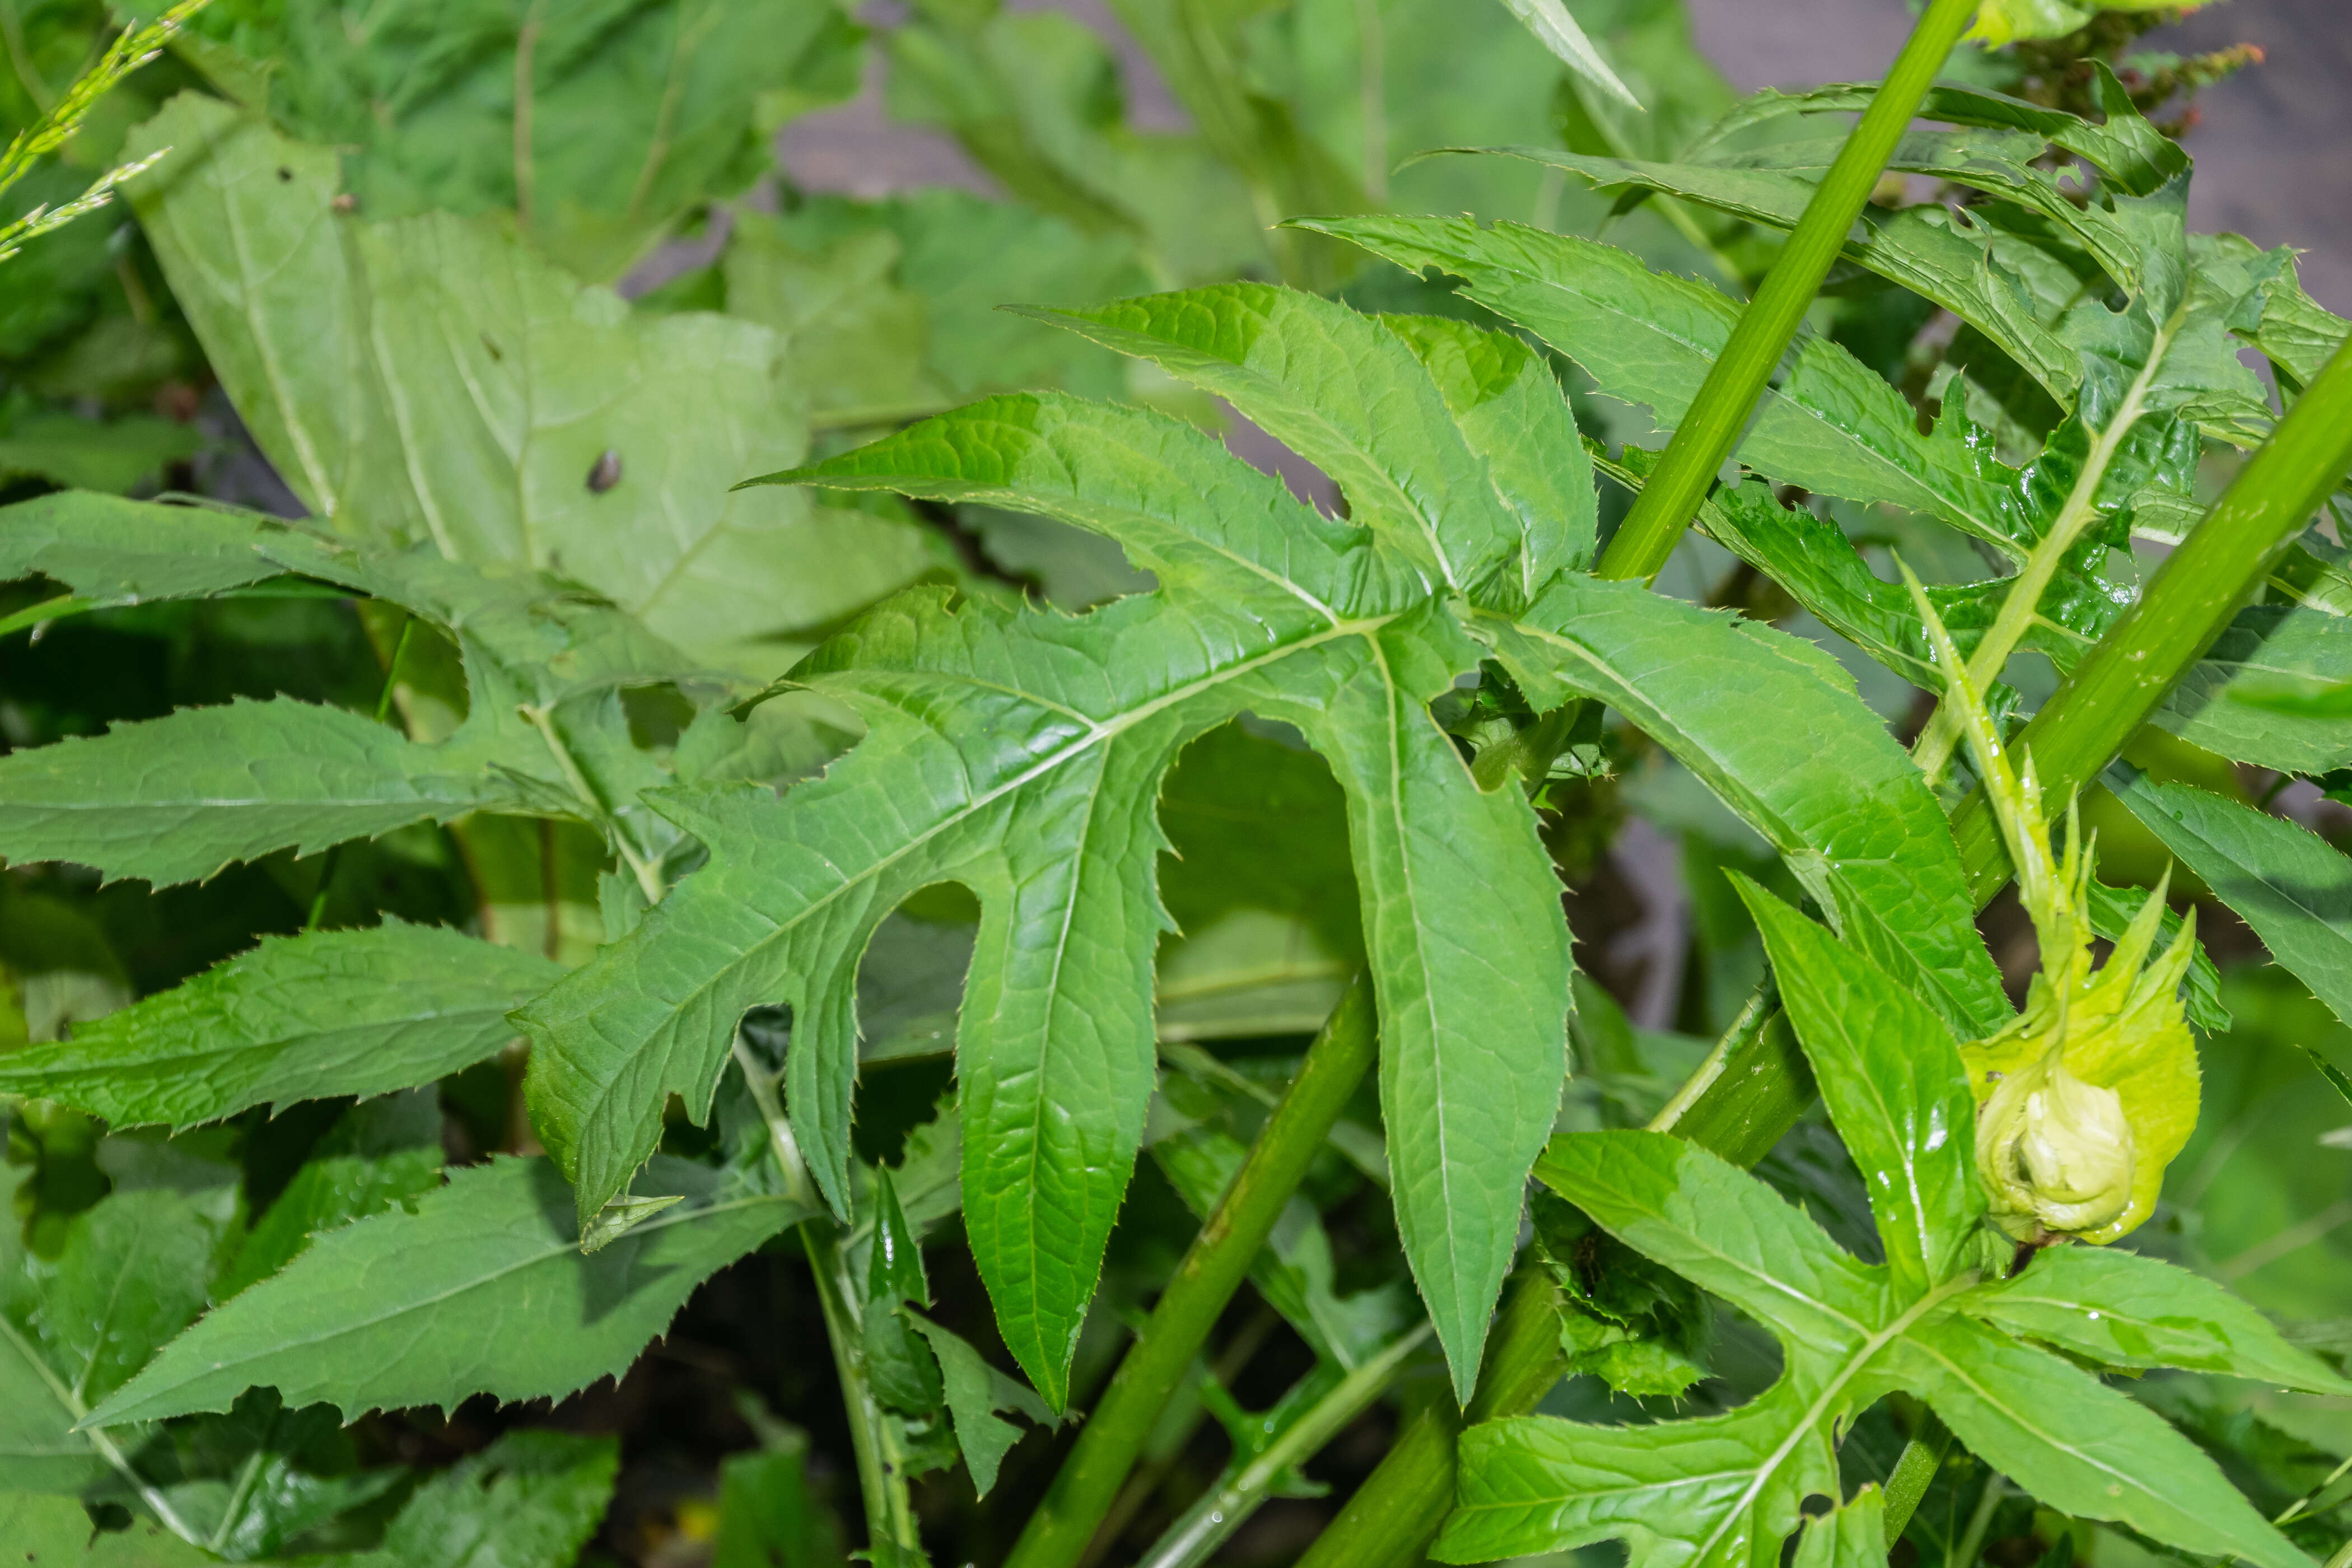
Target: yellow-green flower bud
x=2086 y=1097
x=2056 y=1152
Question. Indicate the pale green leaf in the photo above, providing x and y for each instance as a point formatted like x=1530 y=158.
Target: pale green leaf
x=1550 y=21
x=1924 y=249
x=2266 y=647
x=2079 y=1446
x=1727 y=1489
x=429 y=379
x=481 y=1290
x=303 y=1018
x=634 y=116
x=175 y=799
x=110 y=550
x=1357 y=402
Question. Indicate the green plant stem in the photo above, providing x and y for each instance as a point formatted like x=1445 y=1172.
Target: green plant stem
x=1211 y=1521
x=1757 y=1084
x=881 y=1466
x=1757 y=1092
x=1212 y=1269
x=1708 y=432
x=2023 y=601
x=1979 y=1522
x=1921 y=1457
x=648 y=874
x=2101 y=706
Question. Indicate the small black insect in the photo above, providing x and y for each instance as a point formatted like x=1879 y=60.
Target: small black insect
x=607 y=472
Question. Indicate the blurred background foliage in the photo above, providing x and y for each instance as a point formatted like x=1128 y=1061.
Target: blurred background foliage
x=632 y=145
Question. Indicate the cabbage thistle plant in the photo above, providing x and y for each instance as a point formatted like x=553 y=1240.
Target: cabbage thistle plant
x=849 y=830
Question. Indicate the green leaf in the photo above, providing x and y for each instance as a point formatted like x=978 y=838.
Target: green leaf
x=2272 y=648
x=130 y=1274
x=769 y=1515
x=90 y=454
x=2282 y=879
x=302 y=1017
x=1727 y=1489
x=633 y=118
x=482 y=1290
x=1895 y=1085
x=430 y=380
x=1808 y=766
x=1830 y=425
x=110 y=550
x=975 y=1392
x=2078 y=1445
x=1033 y=784
x=57 y=1533
x=531 y=1500
x=175 y=799
x=1550 y=21
x=378 y=1154
x=1361 y=404
x=1923 y=247
x=926 y=271
x=2121 y=1309
x=2007 y=21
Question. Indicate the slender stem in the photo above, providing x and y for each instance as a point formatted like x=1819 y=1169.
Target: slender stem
x=1754 y=1017
x=525 y=178
x=2023 y=600
x=1211 y=1521
x=1706 y=434
x=648 y=876
x=97 y=1437
x=1921 y=1457
x=1979 y=1522
x=247 y=1474
x=2097 y=709
x=1212 y=1269
x=2296 y=1509
x=881 y=1465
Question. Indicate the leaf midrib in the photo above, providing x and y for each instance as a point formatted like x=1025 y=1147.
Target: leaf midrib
x=1101 y=732
x=558 y=1247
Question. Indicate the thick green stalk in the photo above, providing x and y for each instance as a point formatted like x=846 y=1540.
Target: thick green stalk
x=1214 y=1268
x=2102 y=705
x=1915 y=1469
x=1706 y=434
